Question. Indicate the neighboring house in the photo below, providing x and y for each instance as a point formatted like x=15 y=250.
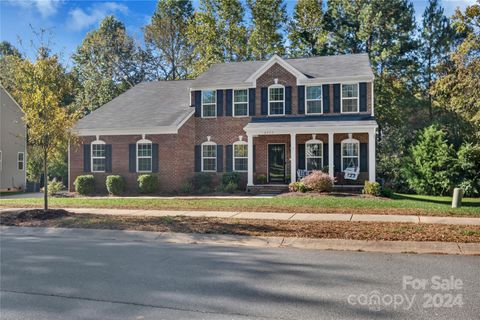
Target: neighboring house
x=271 y=118
x=13 y=152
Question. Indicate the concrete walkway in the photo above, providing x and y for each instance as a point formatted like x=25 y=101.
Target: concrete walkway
x=280 y=216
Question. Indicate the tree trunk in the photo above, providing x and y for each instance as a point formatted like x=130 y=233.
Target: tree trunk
x=45 y=180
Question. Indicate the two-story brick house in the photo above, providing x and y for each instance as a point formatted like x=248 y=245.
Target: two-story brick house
x=269 y=118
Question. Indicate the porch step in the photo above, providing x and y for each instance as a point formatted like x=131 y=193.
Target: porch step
x=268 y=189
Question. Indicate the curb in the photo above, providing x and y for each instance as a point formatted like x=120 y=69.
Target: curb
x=427 y=247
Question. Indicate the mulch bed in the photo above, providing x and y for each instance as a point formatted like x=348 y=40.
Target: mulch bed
x=250 y=227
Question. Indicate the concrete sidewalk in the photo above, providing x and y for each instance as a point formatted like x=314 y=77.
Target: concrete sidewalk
x=280 y=216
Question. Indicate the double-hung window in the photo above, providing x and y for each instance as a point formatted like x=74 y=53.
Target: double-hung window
x=350 y=99
x=240 y=103
x=276 y=100
x=209 y=157
x=240 y=156
x=314 y=155
x=350 y=154
x=21 y=161
x=314 y=99
x=98 y=156
x=209 y=104
x=144 y=156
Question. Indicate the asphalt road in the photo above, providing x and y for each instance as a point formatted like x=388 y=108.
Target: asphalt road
x=48 y=277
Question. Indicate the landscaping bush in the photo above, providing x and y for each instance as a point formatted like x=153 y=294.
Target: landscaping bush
x=115 y=185
x=469 y=169
x=297 y=186
x=85 y=184
x=318 y=181
x=186 y=188
x=230 y=187
x=204 y=189
x=387 y=192
x=372 y=188
x=54 y=187
x=231 y=177
x=202 y=180
x=261 y=179
x=147 y=183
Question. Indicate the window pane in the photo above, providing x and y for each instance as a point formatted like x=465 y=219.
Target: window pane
x=314 y=93
x=276 y=107
x=241 y=150
x=208 y=96
x=98 y=150
x=314 y=163
x=98 y=164
x=240 y=96
x=314 y=106
x=241 y=164
x=349 y=162
x=144 y=149
x=349 y=90
x=350 y=105
x=350 y=149
x=144 y=164
x=209 y=164
x=209 y=110
x=276 y=94
x=314 y=150
x=20 y=157
x=241 y=109
x=209 y=150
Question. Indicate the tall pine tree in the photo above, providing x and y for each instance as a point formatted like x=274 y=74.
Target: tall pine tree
x=232 y=29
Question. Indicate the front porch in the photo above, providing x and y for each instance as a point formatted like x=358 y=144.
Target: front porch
x=277 y=150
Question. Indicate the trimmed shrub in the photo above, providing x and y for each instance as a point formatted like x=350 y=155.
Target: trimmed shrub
x=186 y=187
x=387 y=192
x=372 y=188
x=297 y=186
x=261 y=179
x=230 y=187
x=204 y=189
x=318 y=181
x=85 y=184
x=54 y=187
x=115 y=185
x=231 y=177
x=147 y=183
x=202 y=180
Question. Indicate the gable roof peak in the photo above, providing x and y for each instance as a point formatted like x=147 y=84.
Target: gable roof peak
x=269 y=63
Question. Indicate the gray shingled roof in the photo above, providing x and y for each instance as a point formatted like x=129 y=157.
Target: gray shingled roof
x=149 y=104
x=235 y=73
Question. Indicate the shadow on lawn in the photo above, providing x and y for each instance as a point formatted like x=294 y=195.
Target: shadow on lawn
x=447 y=201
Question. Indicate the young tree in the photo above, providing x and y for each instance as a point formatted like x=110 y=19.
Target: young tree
x=435 y=42
x=41 y=90
x=166 y=34
x=266 y=32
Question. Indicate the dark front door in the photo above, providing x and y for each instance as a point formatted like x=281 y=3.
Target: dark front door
x=276 y=163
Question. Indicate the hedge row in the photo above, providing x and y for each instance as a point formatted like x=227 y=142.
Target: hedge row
x=146 y=183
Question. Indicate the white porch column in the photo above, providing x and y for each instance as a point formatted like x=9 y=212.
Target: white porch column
x=371 y=155
x=293 y=157
x=250 y=160
x=330 y=155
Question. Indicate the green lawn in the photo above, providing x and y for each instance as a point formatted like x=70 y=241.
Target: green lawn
x=399 y=204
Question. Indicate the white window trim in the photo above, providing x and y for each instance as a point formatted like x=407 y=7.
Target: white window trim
x=1 y=161
x=233 y=103
x=341 y=151
x=313 y=141
x=233 y=155
x=92 y=157
x=211 y=144
x=215 y=104
x=350 y=98
x=283 y=101
x=321 y=100
x=144 y=141
x=23 y=161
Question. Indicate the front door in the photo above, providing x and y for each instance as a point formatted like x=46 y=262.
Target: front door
x=276 y=163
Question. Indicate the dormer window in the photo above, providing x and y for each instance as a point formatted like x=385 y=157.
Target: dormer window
x=350 y=98
x=209 y=104
x=276 y=100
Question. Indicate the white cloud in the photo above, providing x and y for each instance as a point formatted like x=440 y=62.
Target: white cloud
x=45 y=7
x=80 y=19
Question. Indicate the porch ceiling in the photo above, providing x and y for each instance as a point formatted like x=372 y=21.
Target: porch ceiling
x=306 y=127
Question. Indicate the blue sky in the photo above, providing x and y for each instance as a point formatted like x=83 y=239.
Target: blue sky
x=69 y=21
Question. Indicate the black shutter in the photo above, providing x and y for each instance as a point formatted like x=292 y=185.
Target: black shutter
x=254 y=157
x=301 y=99
x=198 y=158
x=229 y=157
x=251 y=101
x=264 y=101
x=228 y=93
x=364 y=157
x=154 y=157
x=108 y=158
x=325 y=154
x=132 y=157
x=288 y=100
x=219 y=103
x=301 y=156
x=336 y=98
x=363 y=96
x=326 y=98
x=337 y=157
x=198 y=103
x=86 y=158
x=219 y=158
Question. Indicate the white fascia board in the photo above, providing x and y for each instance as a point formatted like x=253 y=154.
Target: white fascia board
x=352 y=79
x=305 y=128
x=275 y=59
x=224 y=87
